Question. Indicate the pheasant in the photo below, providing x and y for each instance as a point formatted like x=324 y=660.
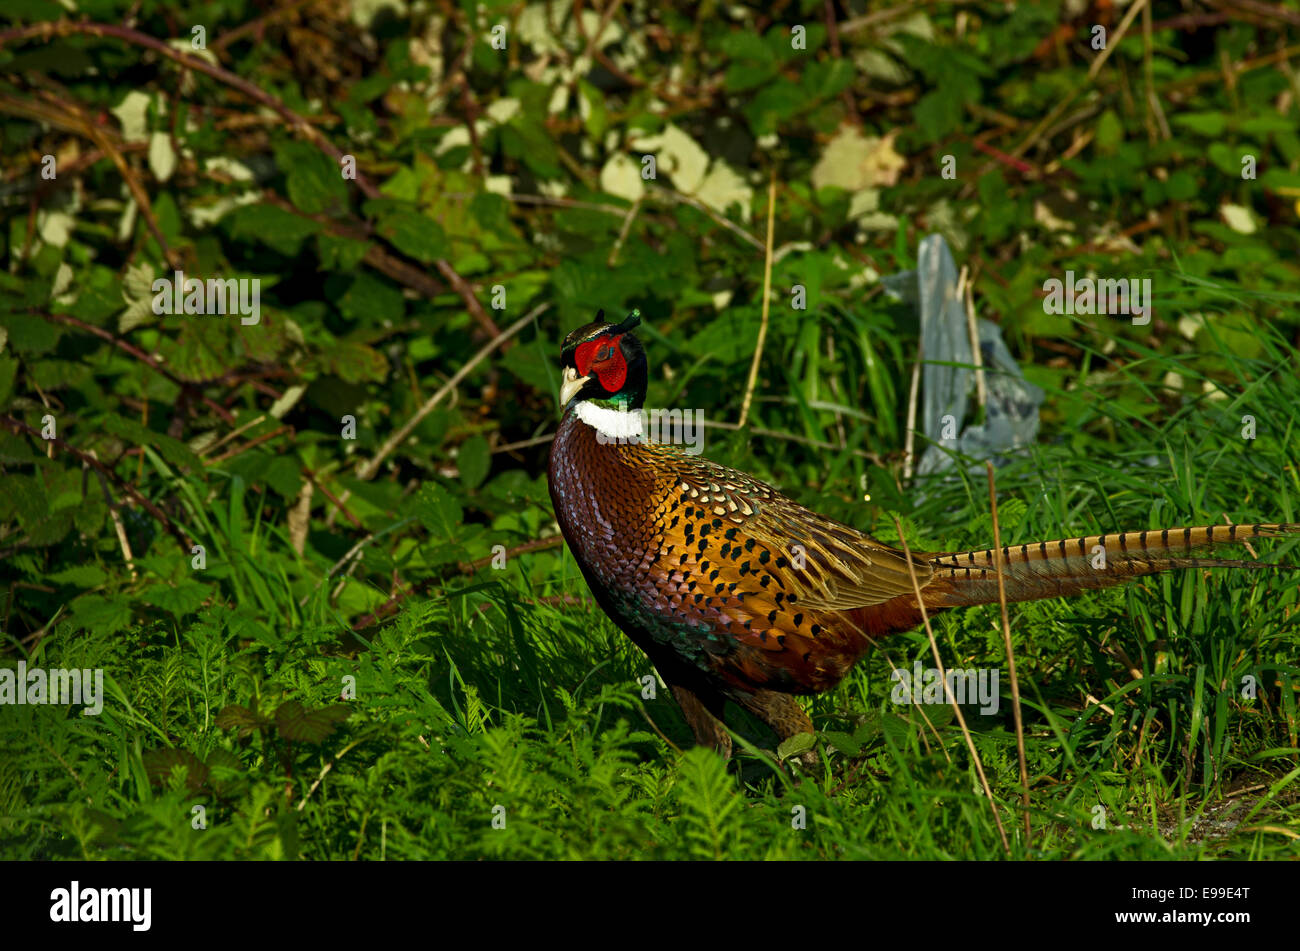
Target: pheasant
x=736 y=592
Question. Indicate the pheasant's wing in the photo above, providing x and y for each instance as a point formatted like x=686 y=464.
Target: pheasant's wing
x=829 y=565
x=755 y=587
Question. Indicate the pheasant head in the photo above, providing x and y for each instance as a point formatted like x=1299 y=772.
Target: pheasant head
x=605 y=364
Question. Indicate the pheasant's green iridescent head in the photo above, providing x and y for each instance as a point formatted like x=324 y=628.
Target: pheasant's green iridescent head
x=604 y=363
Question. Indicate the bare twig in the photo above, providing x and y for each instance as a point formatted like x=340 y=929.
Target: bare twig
x=1154 y=108
x=549 y=201
x=833 y=34
x=326 y=768
x=671 y=195
x=913 y=392
x=881 y=16
x=338 y=503
x=233 y=434
x=116 y=516
x=1011 y=656
x=767 y=300
x=1263 y=9
x=368 y=470
x=537 y=544
x=622 y=232
x=524 y=444
x=610 y=9
x=967 y=298
x=947 y=689
x=238 y=450
x=461 y=286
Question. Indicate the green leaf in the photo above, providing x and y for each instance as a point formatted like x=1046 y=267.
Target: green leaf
x=296 y=722
x=897 y=729
x=160 y=764
x=530 y=367
x=1280 y=178
x=14 y=449
x=474 y=460
x=100 y=297
x=1110 y=132
x=1263 y=125
x=938 y=113
x=236 y=717
x=274 y=226
x=101 y=615
x=773 y=103
x=177 y=600
x=595 y=115
x=752 y=61
x=23 y=496
x=821 y=80
x=199 y=353
x=527 y=140
x=794 y=745
x=338 y=253
x=1227 y=158
x=1181 y=186
x=284 y=474
x=57 y=374
x=437 y=510
x=221 y=764
x=33 y=11
x=355 y=363
x=843 y=742
x=371 y=301
x=412 y=233
x=81 y=576
x=8 y=370
x=31 y=335
x=1208 y=124
x=315 y=183
x=175 y=452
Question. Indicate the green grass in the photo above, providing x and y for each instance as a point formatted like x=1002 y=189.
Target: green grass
x=489 y=698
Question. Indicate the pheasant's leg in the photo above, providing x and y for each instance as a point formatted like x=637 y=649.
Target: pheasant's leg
x=783 y=714
x=704 y=714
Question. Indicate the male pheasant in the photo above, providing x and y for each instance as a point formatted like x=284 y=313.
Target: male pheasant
x=736 y=592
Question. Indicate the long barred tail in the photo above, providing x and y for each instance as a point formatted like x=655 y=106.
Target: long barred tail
x=1070 y=565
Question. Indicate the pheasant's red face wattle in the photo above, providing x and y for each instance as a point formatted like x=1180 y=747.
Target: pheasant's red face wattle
x=604 y=357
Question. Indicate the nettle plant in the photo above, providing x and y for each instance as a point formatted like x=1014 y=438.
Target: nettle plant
x=283 y=736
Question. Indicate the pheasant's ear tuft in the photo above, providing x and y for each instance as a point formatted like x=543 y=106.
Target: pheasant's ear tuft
x=627 y=323
x=600 y=314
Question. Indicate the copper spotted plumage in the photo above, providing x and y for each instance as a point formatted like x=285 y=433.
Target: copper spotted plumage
x=736 y=592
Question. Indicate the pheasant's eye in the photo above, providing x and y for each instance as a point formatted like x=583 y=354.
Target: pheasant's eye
x=605 y=354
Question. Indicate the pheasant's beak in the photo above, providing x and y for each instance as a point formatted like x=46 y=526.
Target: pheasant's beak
x=571 y=385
